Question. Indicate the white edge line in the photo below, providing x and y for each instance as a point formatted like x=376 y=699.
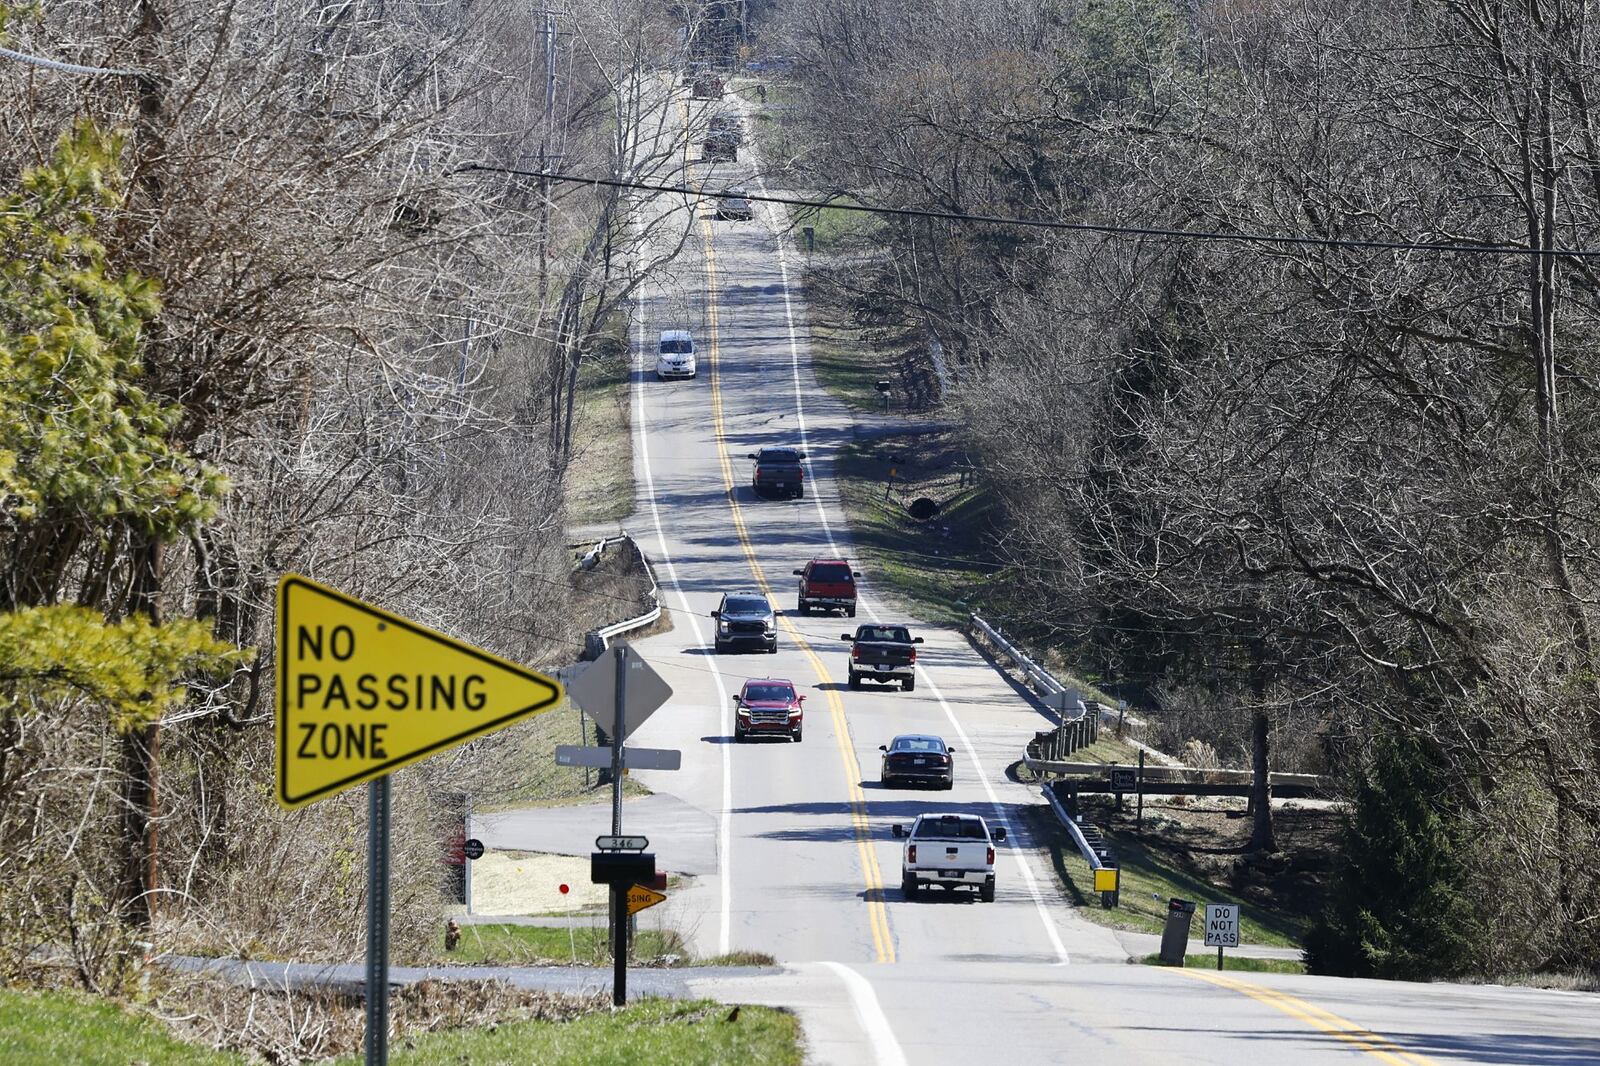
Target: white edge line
x=927 y=676
x=870 y=1013
x=724 y=829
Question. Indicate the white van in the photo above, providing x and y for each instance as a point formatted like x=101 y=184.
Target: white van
x=675 y=356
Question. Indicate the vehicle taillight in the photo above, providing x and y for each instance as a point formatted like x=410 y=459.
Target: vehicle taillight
x=758 y=471
x=913 y=656
x=991 y=856
x=855 y=652
x=911 y=853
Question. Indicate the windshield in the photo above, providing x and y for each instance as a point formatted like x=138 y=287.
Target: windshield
x=677 y=347
x=932 y=744
x=830 y=572
x=778 y=455
x=769 y=692
x=950 y=827
x=745 y=605
x=892 y=634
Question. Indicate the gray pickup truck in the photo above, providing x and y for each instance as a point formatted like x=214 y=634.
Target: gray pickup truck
x=883 y=653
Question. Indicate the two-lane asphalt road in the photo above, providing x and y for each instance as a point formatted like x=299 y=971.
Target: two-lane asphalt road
x=805 y=864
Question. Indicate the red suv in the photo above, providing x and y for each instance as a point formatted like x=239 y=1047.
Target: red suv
x=829 y=584
x=768 y=706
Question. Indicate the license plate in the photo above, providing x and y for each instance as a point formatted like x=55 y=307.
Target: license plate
x=783 y=484
x=949 y=873
x=884 y=666
x=919 y=762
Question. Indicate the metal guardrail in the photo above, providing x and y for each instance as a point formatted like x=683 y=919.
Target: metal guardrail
x=1086 y=849
x=1037 y=676
x=627 y=625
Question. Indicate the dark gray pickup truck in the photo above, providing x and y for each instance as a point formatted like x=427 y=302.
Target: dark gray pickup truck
x=883 y=653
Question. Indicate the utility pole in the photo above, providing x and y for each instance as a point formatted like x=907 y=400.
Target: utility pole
x=547 y=36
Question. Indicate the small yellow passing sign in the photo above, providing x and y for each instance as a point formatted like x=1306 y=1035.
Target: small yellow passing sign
x=362 y=692
x=640 y=897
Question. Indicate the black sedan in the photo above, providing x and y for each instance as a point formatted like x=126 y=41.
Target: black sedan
x=917 y=758
x=734 y=206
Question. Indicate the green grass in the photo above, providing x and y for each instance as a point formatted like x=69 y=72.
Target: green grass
x=846 y=365
x=1108 y=749
x=67 y=1027
x=1148 y=881
x=1208 y=961
x=834 y=229
x=525 y=945
x=934 y=572
x=600 y=476
x=658 y=1032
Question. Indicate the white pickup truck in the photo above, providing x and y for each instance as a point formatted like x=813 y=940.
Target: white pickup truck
x=953 y=850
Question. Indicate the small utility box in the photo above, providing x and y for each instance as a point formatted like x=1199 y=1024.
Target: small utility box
x=1175 y=937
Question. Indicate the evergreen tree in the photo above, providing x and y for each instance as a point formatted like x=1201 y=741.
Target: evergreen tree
x=1398 y=908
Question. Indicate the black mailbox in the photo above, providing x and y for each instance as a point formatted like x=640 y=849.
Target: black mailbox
x=622 y=867
x=883 y=386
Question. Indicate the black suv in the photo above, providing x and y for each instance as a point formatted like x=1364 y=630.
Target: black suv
x=746 y=620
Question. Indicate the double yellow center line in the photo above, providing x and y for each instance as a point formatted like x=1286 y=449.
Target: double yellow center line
x=872 y=875
x=1325 y=1021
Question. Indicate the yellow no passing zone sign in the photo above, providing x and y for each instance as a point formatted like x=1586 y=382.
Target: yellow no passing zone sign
x=640 y=897
x=362 y=692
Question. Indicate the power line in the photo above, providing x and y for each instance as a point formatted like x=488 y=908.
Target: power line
x=1446 y=247
x=66 y=68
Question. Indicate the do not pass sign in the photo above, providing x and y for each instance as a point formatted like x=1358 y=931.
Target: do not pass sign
x=1222 y=925
x=362 y=692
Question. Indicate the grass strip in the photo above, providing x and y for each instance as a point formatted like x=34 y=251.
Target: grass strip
x=48 y=1027
x=1148 y=882
x=658 y=1032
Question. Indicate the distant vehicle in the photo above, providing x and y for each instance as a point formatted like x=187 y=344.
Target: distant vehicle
x=768 y=707
x=883 y=653
x=675 y=355
x=952 y=850
x=734 y=206
x=829 y=584
x=719 y=148
x=746 y=620
x=707 y=86
x=917 y=758
x=770 y=65
x=727 y=124
x=780 y=472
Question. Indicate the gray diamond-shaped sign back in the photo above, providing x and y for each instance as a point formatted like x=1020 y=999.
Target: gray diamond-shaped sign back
x=595 y=690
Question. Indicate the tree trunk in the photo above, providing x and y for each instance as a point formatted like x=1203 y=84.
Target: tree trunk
x=1261 y=835
x=141 y=750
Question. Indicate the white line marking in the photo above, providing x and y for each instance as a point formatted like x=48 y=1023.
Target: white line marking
x=927 y=676
x=884 y=1046
x=724 y=828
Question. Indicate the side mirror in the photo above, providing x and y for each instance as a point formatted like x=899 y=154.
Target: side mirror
x=735 y=697
x=999 y=833
x=883 y=747
x=846 y=636
x=716 y=614
x=951 y=751
x=899 y=830
x=916 y=640
x=802 y=699
x=855 y=573
x=799 y=573
x=752 y=455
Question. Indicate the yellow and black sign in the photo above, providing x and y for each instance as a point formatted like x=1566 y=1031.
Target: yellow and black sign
x=362 y=692
x=1105 y=879
x=640 y=897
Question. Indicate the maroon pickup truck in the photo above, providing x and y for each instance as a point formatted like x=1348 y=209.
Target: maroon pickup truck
x=829 y=584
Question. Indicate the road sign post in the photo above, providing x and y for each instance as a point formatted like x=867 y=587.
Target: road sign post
x=376 y=1041
x=619 y=924
x=1222 y=927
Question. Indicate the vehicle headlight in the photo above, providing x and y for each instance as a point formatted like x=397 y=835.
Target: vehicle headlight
x=722 y=627
x=744 y=712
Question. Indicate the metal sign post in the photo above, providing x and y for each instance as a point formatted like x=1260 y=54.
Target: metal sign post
x=377 y=1035
x=619 y=897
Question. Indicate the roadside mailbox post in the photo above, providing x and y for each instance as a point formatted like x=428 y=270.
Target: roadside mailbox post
x=337 y=657
x=625 y=872
x=1222 y=927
